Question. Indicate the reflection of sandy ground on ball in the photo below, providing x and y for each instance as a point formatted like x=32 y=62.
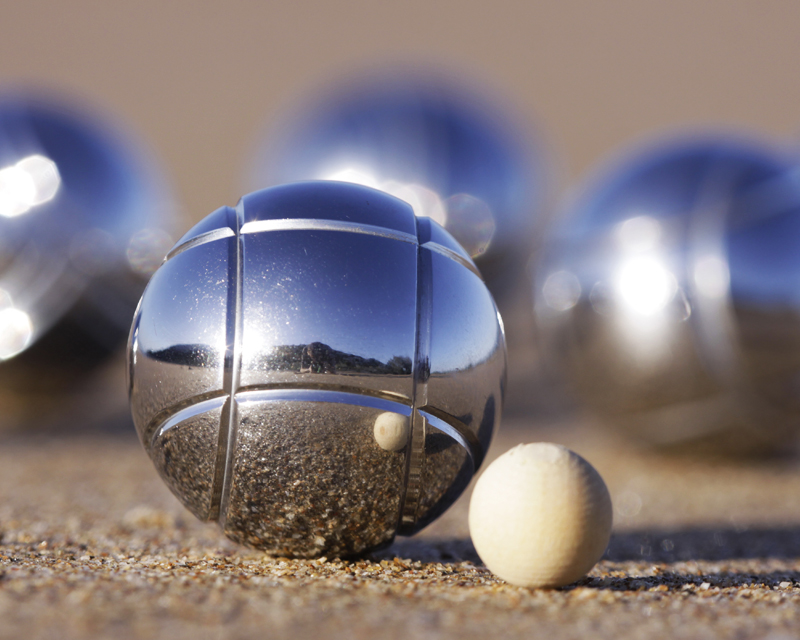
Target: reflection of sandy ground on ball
x=310 y=480
x=470 y=395
x=164 y=386
x=272 y=453
x=185 y=457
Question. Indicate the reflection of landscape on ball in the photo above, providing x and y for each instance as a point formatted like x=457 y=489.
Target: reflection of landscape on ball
x=335 y=365
x=316 y=357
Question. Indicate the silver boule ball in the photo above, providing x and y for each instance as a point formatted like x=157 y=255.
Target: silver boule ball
x=274 y=338
x=84 y=221
x=669 y=295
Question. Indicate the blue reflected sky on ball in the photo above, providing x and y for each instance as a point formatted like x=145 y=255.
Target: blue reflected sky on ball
x=438 y=147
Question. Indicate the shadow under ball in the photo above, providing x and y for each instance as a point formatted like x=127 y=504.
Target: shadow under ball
x=270 y=346
x=84 y=221
x=669 y=296
x=456 y=159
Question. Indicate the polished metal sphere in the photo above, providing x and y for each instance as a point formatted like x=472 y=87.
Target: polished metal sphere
x=270 y=346
x=437 y=146
x=670 y=295
x=84 y=220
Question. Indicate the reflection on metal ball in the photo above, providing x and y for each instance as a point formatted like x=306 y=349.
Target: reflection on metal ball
x=391 y=431
x=275 y=337
x=83 y=222
x=433 y=145
x=670 y=295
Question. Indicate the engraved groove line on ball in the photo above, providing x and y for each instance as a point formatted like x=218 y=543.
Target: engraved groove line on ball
x=231 y=374
x=415 y=456
x=321 y=395
x=172 y=416
x=390 y=396
x=457 y=430
x=449 y=253
x=203 y=238
x=185 y=414
x=165 y=415
x=312 y=224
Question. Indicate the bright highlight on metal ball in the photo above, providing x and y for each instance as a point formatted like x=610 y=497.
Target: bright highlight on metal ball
x=317 y=370
x=668 y=295
x=434 y=145
x=74 y=194
x=30 y=182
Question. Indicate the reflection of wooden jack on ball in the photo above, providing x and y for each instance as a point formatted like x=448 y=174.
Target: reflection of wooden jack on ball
x=391 y=431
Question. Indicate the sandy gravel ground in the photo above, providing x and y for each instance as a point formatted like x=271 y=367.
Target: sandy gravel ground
x=93 y=545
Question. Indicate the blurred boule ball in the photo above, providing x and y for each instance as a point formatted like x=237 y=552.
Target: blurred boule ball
x=85 y=218
x=316 y=370
x=669 y=295
x=459 y=159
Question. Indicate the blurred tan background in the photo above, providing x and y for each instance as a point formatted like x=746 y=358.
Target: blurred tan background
x=93 y=545
x=199 y=81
